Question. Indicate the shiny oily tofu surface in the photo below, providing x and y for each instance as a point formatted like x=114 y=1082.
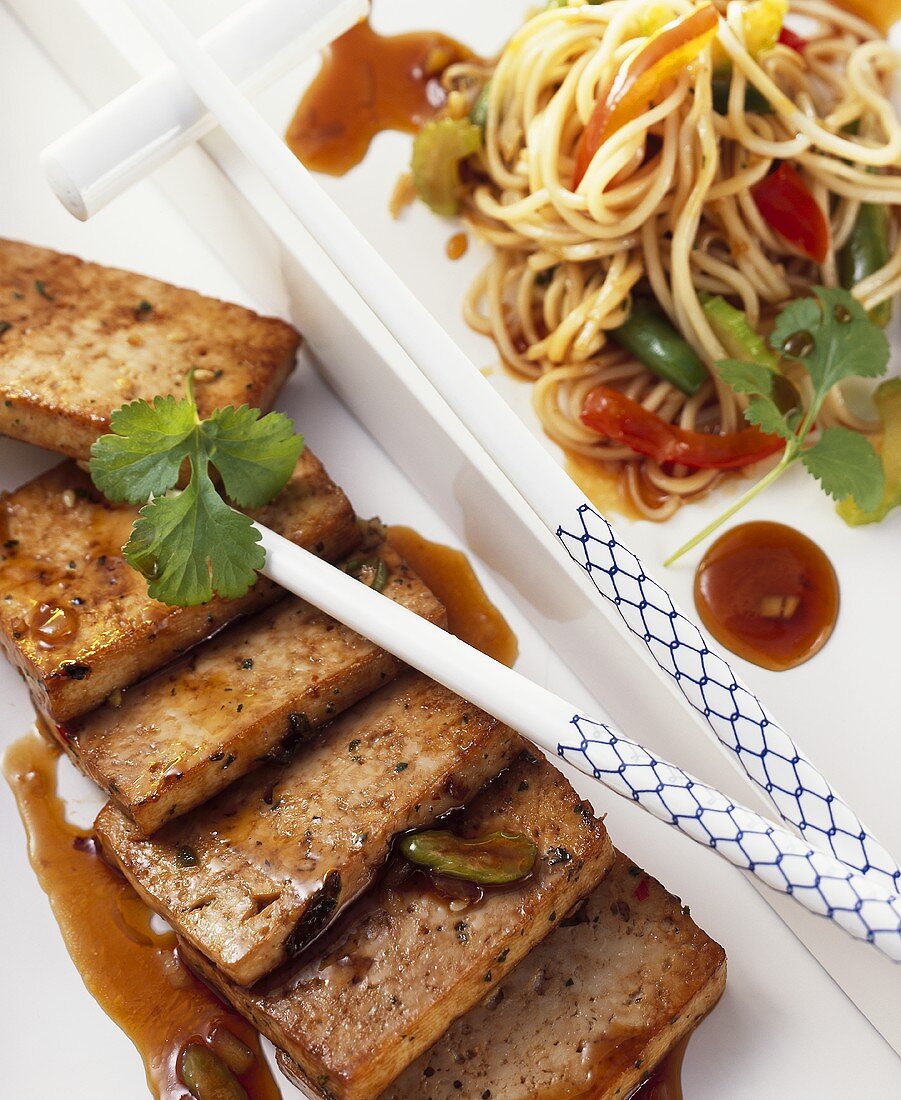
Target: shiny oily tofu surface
x=77 y=621
x=253 y=876
x=79 y=340
x=590 y=1012
x=406 y=962
x=257 y=689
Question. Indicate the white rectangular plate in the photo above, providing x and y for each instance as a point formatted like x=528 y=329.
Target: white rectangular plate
x=780 y=1012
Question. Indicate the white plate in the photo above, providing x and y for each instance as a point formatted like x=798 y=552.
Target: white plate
x=780 y=1013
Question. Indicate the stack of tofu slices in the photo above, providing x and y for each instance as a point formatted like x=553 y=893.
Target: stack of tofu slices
x=260 y=759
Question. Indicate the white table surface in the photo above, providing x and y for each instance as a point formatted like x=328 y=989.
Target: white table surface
x=783 y=1028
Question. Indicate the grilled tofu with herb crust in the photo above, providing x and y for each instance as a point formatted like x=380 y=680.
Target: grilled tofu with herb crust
x=258 y=688
x=77 y=621
x=273 y=858
x=592 y=1010
x=405 y=962
x=77 y=340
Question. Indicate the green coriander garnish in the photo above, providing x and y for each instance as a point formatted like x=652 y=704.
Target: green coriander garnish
x=190 y=544
x=833 y=338
x=42 y=290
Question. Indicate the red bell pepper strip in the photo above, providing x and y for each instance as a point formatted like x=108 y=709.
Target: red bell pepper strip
x=625 y=421
x=787 y=206
x=639 y=79
x=792 y=40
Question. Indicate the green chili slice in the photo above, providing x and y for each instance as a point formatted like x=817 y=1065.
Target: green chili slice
x=492 y=860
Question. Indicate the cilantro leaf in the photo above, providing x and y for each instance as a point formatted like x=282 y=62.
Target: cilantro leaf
x=746 y=377
x=765 y=413
x=846 y=465
x=844 y=342
x=191 y=544
x=833 y=337
x=254 y=455
x=142 y=456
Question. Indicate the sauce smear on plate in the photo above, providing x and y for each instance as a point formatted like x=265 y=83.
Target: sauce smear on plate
x=767 y=593
x=470 y=614
x=132 y=970
x=368 y=83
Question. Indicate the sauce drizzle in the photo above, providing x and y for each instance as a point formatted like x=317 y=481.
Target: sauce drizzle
x=767 y=593
x=132 y=971
x=369 y=83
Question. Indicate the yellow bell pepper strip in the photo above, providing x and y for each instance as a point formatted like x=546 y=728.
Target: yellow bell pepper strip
x=888 y=402
x=761 y=22
x=639 y=79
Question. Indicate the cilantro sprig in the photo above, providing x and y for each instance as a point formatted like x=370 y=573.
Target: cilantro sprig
x=833 y=338
x=189 y=543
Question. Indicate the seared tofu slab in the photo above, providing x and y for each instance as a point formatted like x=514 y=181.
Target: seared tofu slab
x=79 y=340
x=258 y=688
x=406 y=962
x=251 y=877
x=77 y=621
x=589 y=1012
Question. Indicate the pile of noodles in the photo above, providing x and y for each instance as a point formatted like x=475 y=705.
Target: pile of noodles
x=665 y=207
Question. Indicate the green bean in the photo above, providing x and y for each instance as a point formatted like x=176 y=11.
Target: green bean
x=649 y=336
x=865 y=251
x=492 y=860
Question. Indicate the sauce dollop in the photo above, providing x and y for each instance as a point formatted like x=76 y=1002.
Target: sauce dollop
x=368 y=83
x=767 y=593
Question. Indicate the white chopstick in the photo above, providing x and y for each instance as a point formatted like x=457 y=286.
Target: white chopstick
x=541 y=483
x=145 y=126
x=819 y=882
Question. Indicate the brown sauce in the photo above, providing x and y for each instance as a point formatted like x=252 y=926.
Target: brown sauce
x=456 y=246
x=603 y=485
x=369 y=83
x=52 y=625
x=665 y=1081
x=471 y=615
x=132 y=971
x=767 y=593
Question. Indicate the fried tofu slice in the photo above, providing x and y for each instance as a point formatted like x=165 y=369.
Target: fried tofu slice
x=256 y=690
x=77 y=621
x=79 y=340
x=592 y=1010
x=273 y=858
x=406 y=962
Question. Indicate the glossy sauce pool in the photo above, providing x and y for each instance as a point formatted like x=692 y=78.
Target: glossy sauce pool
x=368 y=83
x=767 y=593
x=131 y=970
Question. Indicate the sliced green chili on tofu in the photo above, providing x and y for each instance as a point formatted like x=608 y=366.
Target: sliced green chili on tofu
x=492 y=860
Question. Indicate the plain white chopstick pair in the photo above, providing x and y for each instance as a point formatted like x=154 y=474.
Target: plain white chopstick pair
x=138 y=131
x=858 y=893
